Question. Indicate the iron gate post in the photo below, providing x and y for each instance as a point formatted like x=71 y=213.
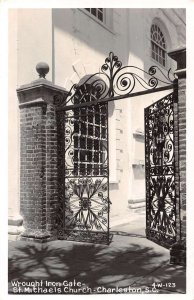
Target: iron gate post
x=38 y=157
x=178 y=250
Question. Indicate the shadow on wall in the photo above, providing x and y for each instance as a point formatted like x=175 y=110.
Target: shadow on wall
x=79 y=26
x=76 y=36
x=93 y=265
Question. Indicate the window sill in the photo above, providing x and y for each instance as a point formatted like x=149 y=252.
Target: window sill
x=138 y=134
x=113 y=181
x=138 y=165
x=96 y=20
x=159 y=65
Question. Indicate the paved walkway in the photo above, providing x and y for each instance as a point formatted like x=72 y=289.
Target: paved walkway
x=133 y=224
x=130 y=261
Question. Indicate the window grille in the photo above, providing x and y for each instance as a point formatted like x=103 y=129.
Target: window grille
x=90 y=139
x=97 y=12
x=158 y=45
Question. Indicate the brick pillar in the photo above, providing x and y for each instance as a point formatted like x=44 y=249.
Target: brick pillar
x=38 y=158
x=178 y=250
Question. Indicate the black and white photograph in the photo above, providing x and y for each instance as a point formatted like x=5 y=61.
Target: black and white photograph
x=96 y=103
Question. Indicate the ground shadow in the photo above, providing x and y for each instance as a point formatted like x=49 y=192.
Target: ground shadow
x=93 y=265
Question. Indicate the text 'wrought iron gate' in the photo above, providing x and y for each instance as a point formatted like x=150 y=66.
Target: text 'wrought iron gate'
x=83 y=164
x=160 y=172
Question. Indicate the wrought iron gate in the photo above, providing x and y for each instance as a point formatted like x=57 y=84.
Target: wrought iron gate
x=83 y=164
x=160 y=172
x=84 y=179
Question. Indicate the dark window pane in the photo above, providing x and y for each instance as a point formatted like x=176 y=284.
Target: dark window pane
x=96 y=144
x=96 y=171
x=96 y=157
x=82 y=169
x=89 y=169
x=83 y=129
x=82 y=156
x=90 y=130
x=100 y=16
x=97 y=132
x=82 y=142
x=89 y=156
x=90 y=118
x=104 y=133
x=89 y=143
x=97 y=119
x=103 y=120
x=93 y=11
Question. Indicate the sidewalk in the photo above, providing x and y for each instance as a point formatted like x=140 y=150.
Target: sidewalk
x=128 y=261
x=133 y=224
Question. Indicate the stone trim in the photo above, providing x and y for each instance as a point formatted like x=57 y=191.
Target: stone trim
x=180 y=73
x=31 y=103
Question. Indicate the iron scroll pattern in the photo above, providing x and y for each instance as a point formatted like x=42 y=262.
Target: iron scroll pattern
x=84 y=177
x=113 y=80
x=160 y=172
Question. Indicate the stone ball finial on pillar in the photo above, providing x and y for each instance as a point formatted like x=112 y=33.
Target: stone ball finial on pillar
x=42 y=69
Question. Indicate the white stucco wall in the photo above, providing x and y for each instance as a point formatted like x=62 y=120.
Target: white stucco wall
x=29 y=38
x=13 y=113
x=34 y=42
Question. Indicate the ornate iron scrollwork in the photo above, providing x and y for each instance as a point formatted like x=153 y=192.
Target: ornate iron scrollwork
x=84 y=177
x=160 y=172
x=114 y=80
x=83 y=154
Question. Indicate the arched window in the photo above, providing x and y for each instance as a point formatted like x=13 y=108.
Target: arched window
x=158 y=45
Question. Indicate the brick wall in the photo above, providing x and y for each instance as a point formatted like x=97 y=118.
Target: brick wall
x=32 y=173
x=182 y=152
x=51 y=168
x=176 y=157
x=178 y=250
x=38 y=180
x=38 y=159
